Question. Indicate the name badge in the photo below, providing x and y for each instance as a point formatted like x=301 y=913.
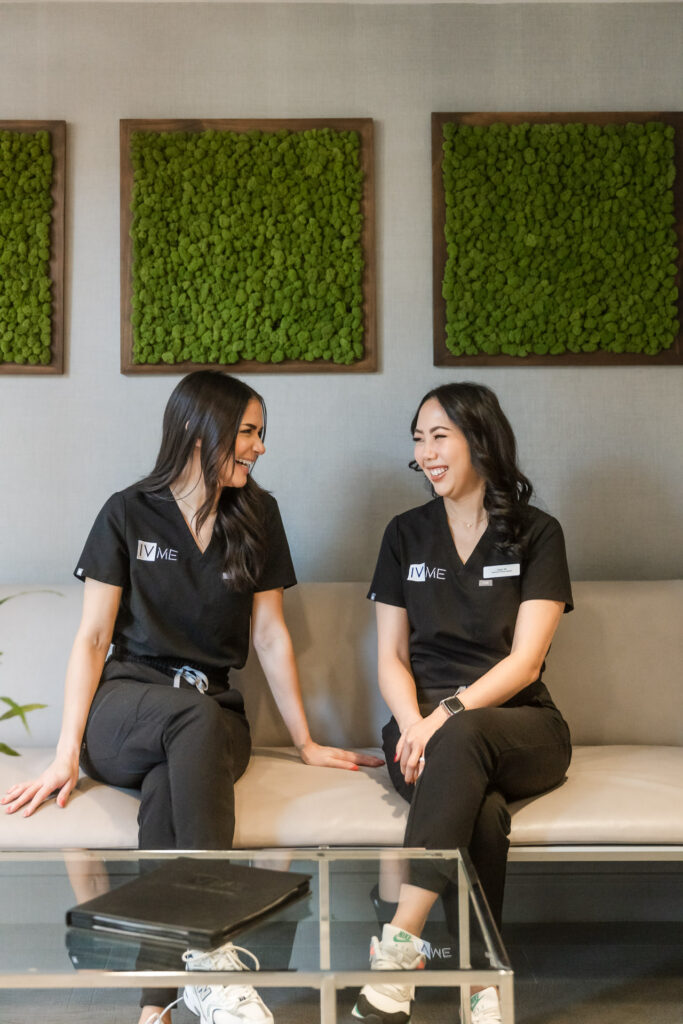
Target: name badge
x=494 y=572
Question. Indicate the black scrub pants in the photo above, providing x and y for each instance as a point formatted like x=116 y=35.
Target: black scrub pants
x=184 y=750
x=474 y=764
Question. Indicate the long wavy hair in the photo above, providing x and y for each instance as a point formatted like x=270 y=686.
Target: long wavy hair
x=208 y=406
x=475 y=410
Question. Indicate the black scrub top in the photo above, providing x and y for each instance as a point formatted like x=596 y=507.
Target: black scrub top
x=462 y=616
x=176 y=603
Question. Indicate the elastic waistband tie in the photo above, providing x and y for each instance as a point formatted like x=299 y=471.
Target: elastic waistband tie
x=192 y=676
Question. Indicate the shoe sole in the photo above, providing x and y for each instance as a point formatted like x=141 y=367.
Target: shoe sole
x=364 y=1010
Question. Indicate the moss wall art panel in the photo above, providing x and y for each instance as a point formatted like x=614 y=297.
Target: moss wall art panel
x=557 y=238
x=32 y=176
x=247 y=244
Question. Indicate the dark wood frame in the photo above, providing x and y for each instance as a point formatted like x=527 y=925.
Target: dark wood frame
x=57 y=130
x=442 y=355
x=365 y=128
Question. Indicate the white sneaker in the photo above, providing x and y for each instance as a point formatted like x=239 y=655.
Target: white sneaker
x=224 y=1004
x=485 y=1007
x=390 y=1004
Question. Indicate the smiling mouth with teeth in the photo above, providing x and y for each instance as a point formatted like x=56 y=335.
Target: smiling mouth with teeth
x=437 y=472
x=244 y=462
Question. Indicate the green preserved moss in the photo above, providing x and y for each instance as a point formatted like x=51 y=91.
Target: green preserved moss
x=25 y=219
x=560 y=238
x=247 y=246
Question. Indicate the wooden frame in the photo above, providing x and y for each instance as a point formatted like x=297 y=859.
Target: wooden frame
x=57 y=131
x=442 y=355
x=365 y=129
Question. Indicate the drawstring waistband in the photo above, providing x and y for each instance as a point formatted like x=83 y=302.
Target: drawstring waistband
x=201 y=677
x=192 y=676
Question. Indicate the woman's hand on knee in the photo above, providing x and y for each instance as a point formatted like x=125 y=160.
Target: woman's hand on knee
x=61 y=776
x=411 y=745
x=334 y=757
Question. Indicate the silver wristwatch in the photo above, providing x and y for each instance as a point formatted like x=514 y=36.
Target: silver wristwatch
x=452 y=705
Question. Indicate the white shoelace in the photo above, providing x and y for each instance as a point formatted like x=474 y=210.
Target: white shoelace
x=224 y=958
x=157 y=1018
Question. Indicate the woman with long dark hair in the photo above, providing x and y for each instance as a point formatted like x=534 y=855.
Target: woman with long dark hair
x=178 y=570
x=469 y=589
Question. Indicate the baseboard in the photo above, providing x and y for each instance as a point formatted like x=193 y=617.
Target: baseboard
x=612 y=891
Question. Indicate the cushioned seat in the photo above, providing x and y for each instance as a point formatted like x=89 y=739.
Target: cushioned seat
x=96 y=816
x=625 y=783
x=612 y=795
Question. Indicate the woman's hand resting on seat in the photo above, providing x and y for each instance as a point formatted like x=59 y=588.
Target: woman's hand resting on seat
x=61 y=776
x=334 y=757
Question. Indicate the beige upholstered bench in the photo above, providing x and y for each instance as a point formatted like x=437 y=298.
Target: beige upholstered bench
x=614 y=670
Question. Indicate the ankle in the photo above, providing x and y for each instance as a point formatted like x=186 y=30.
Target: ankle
x=155 y=1015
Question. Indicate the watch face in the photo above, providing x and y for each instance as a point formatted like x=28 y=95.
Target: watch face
x=453 y=705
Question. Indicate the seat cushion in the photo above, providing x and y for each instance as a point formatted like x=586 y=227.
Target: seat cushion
x=96 y=816
x=279 y=802
x=619 y=794
x=282 y=802
x=613 y=794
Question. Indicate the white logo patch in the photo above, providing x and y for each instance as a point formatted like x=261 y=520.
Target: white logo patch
x=150 y=551
x=419 y=572
x=147 y=550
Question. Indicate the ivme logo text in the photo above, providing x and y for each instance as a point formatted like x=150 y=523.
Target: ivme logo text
x=419 y=572
x=150 y=551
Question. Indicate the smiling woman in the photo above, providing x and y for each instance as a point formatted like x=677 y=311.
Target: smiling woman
x=469 y=589
x=179 y=570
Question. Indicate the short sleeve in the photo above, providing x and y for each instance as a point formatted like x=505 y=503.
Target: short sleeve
x=387 y=582
x=546 y=573
x=105 y=556
x=278 y=570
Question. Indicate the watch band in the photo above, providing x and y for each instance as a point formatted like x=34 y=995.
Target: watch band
x=452 y=705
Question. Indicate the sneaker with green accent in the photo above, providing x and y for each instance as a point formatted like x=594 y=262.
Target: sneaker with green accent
x=485 y=1007
x=398 y=950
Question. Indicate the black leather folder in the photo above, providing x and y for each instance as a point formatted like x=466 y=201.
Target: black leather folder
x=190 y=902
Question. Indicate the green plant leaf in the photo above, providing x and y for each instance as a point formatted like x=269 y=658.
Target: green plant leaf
x=4 y=749
x=19 y=711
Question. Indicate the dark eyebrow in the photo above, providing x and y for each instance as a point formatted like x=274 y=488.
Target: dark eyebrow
x=251 y=426
x=432 y=429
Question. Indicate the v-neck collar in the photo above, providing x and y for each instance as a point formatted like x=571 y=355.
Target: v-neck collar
x=196 y=550
x=475 y=554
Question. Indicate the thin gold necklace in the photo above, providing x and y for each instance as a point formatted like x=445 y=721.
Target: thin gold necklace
x=463 y=522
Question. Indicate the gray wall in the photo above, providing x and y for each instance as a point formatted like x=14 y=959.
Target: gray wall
x=602 y=445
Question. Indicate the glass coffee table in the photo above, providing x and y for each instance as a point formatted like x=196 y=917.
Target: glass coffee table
x=320 y=942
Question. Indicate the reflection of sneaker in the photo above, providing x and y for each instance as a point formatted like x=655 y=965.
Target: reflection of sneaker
x=485 y=1007
x=224 y=1004
x=389 y=1004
